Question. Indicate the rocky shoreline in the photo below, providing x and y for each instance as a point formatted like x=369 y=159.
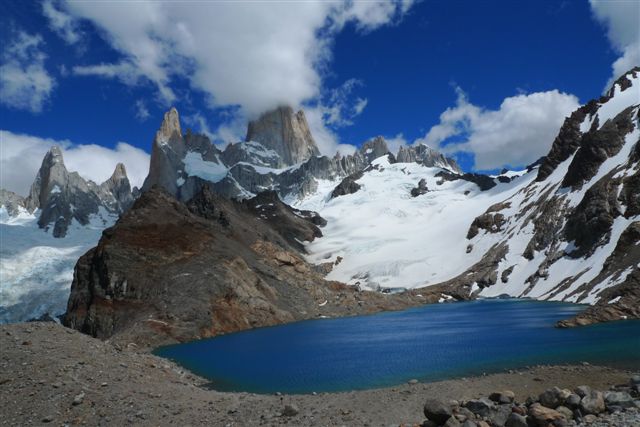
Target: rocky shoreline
x=51 y=375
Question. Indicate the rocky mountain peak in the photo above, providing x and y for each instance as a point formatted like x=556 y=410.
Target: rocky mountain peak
x=167 y=152
x=52 y=173
x=285 y=132
x=119 y=173
x=170 y=126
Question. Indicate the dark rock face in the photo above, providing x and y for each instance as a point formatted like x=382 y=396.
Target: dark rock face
x=589 y=225
x=570 y=138
x=485 y=182
x=169 y=272
x=285 y=132
x=625 y=294
x=420 y=189
x=347 y=185
x=596 y=146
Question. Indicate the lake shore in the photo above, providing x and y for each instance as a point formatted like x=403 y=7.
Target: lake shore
x=51 y=374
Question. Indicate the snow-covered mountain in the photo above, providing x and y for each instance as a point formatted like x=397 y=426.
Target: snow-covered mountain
x=568 y=230
x=43 y=235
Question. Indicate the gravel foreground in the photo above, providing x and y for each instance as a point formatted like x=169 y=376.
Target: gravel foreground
x=51 y=375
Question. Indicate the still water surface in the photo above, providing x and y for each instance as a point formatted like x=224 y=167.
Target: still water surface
x=427 y=343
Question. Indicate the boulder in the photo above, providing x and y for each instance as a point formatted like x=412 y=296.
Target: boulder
x=482 y=407
x=618 y=398
x=553 y=397
x=582 y=390
x=506 y=396
x=437 y=410
x=572 y=401
x=499 y=416
x=516 y=420
x=592 y=403
x=543 y=416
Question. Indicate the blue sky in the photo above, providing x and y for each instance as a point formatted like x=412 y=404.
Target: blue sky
x=486 y=82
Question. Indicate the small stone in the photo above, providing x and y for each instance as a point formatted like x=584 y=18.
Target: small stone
x=520 y=410
x=588 y=419
x=635 y=380
x=47 y=419
x=412 y=382
x=452 y=422
x=104 y=385
x=78 y=399
x=290 y=410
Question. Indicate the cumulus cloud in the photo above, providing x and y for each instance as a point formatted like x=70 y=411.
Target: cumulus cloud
x=21 y=156
x=256 y=55
x=518 y=133
x=25 y=84
x=620 y=18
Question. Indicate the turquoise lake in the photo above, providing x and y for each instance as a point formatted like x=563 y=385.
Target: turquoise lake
x=428 y=343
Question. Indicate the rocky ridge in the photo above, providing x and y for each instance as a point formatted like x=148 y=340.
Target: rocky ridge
x=279 y=154
x=580 y=207
x=61 y=196
x=172 y=272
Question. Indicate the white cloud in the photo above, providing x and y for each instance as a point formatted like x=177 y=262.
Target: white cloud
x=518 y=133
x=396 y=142
x=621 y=21
x=326 y=139
x=25 y=84
x=256 y=55
x=61 y=23
x=21 y=156
x=126 y=72
x=142 y=112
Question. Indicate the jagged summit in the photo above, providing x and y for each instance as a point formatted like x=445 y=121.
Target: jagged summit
x=427 y=156
x=285 y=132
x=61 y=196
x=170 y=126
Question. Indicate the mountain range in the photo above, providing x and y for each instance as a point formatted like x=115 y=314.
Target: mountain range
x=268 y=230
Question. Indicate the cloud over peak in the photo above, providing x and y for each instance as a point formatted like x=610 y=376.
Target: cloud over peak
x=256 y=55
